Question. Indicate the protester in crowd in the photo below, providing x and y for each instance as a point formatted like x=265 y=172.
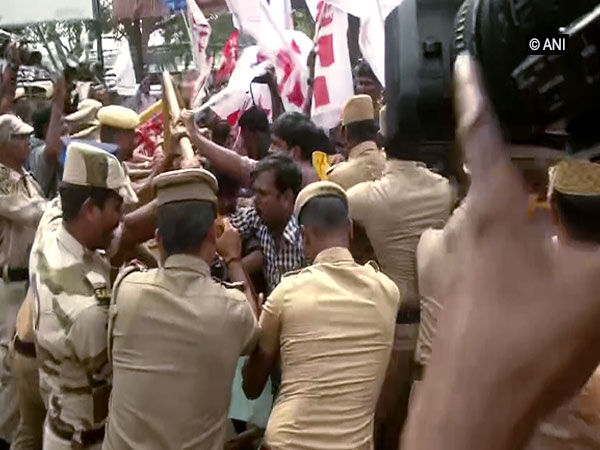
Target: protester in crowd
x=21 y=207
x=365 y=161
x=276 y=182
x=254 y=128
x=365 y=82
x=198 y=359
x=334 y=361
x=390 y=214
x=221 y=134
x=46 y=146
x=70 y=278
x=295 y=134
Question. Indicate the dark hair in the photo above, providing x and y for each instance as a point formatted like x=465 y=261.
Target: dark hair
x=326 y=213
x=227 y=185
x=363 y=69
x=297 y=130
x=580 y=216
x=40 y=119
x=108 y=134
x=183 y=226
x=73 y=197
x=361 y=131
x=287 y=173
x=220 y=132
x=254 y=119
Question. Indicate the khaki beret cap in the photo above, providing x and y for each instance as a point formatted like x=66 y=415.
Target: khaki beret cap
x=318 y=189
x=86 y=165
x=118 y=117
x=11 y=125
x=86 y=112
x=358 y=108
x=575 y=177
x=186 y=184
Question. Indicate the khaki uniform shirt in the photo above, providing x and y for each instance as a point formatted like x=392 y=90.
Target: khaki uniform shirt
x=21 y=207
x=71 y=288
x=365 y=163
x=334 y=325
x=176 y=339
x=394 y=211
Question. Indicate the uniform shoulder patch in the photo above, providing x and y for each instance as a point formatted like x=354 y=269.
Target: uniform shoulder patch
x=238 y=285
x=373 y=265
x=291 y=273
x=7 y=185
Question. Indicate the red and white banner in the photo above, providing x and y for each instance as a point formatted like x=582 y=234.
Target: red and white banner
x=333 y=75
x=287 y=50
x=230 y=56
x=200 y=29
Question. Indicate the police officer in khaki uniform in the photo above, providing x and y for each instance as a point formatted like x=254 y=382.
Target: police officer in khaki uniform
x=69 y=275
x=332 y=324
x=83 y=123
x=175 y=333
x=117 y=126
x=390 y=214
x=21 y=207
x=365 y=161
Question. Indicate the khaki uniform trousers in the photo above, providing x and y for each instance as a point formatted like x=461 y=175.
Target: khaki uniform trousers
x=11 y=297
x=31 y=406
x=392 y=408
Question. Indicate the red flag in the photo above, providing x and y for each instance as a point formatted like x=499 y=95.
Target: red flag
x=230 y=56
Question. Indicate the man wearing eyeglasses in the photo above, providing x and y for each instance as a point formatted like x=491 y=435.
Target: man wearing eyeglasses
x=21 y=207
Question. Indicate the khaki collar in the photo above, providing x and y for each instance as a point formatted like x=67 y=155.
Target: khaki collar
x=396 y=165
x=72 y=245
x=187 y=262
x=362 y=148
x=334 y=255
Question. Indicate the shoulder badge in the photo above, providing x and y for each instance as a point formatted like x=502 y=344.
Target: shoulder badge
x=238 y=285
x=374 y=265
x=292 y=273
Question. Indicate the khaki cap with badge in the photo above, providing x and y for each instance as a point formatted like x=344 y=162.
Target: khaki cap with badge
x=84 y=119
x=318 y=189
x=11 y=125
x=86 y=165
x=575 y=177
x=186 y=184
x=118 y=117
x=357 y=109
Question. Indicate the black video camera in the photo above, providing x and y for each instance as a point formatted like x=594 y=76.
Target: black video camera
x=551 y=100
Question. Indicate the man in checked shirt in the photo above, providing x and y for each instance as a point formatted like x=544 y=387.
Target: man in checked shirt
x=276 y=181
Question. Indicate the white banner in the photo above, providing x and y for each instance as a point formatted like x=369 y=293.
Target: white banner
x=22 y=12
x=333 y=74
x=200 y=30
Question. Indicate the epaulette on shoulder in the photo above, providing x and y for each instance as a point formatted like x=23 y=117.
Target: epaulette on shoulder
x=291 y=273
x=374 y=265
x=334 y=167
x=125 y=272
x=238 y=285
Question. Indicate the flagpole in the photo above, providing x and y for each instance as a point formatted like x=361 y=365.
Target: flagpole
x=190 y=36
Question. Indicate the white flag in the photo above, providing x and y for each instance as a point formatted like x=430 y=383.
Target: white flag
x=282 y=13
x=124 y=72
x=201 y=31
x=333 y=74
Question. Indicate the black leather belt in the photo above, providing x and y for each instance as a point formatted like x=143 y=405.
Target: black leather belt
x=408 y=316
x=15 y=274
x=86 y=439
x=25 y=348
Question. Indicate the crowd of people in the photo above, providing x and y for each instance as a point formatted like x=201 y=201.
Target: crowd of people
x=279 y=290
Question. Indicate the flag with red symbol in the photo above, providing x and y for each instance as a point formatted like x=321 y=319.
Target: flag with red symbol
x=333 y=73
x=230 y=56
x=201 y=30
